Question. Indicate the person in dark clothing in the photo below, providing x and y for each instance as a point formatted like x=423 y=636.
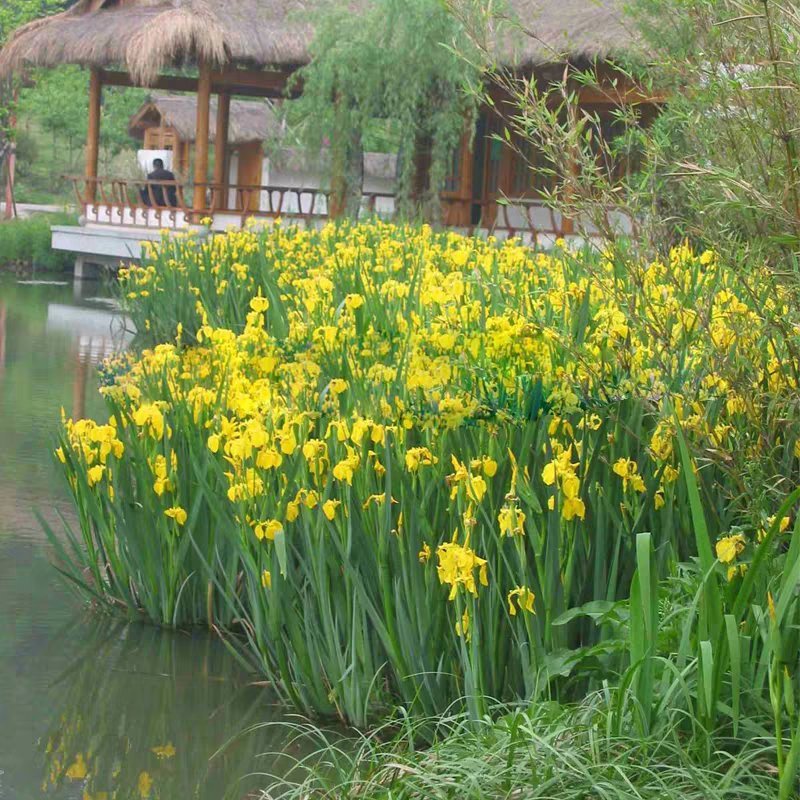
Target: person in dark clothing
x=154 y=192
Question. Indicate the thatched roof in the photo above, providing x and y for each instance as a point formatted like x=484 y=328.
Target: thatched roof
x=146 y=36
x=250 y=120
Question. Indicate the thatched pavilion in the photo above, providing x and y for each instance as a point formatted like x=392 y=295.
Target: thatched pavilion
x=252 y=47
x=168 y=122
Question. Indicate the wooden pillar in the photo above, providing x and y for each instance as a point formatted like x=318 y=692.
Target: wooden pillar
x=201 y=140
x=11 y=161
x=221 y=151
x=93 y=134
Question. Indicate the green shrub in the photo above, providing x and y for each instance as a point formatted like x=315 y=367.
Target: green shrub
x=28 y=241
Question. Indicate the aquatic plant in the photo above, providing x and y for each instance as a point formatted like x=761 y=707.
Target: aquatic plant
x=393 y=465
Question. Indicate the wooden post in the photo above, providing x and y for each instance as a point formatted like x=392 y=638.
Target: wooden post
x=11 y=161
x=221 y=151
x=201 y=141
x=93 y=134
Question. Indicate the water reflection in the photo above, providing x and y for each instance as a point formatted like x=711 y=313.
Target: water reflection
x=49 y=346
x=144 y=714
x=95 y=335
x=91 y=709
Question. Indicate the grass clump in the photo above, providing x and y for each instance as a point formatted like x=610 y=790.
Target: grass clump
x=546 y=751
x=27 y=241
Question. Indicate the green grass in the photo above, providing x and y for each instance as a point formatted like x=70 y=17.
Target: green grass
x=547 y=752
x=28 y=241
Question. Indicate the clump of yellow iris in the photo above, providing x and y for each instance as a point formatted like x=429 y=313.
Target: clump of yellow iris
x=377 y=371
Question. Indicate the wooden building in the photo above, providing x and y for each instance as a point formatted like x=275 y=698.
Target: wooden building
x=251 y=48
x=168 y=123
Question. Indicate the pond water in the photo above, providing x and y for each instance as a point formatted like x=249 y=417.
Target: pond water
x=92 y=708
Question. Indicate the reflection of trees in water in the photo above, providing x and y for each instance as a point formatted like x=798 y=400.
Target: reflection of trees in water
x=146 y=713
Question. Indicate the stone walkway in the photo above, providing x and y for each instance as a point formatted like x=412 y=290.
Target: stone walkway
x=26 y=209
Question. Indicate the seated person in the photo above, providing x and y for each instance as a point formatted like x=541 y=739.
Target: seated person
x=154 y=192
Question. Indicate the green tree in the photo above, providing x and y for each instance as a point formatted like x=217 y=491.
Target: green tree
x=14 y=13
x=59 y=102
x=407 y=62
x=729 y=136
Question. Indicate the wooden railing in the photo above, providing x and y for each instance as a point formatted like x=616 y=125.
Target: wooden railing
x=306 y=204
x=143 y=203
x=113 y=201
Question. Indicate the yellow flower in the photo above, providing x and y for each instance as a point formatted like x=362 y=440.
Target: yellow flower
x=570 y=485
x=573 y=507
x=267 y=529
x=144 y=784
x=176 y=513
x=249 y=486
x=288 y=441
x=345 y=469
x=457 y=565
x=213 y=442
x=329 y=508
x=525 y=600
x=476 y=488
x=78 y=770
x=354 y=301
x=736 y=569
x=164 y=751
x=268 y=458
x=149 y=416
x=512 y=521
x=628 y=470
x=729 y=547
x=425 y=553
x=259 y=304
x=463 y=627
x=377 y=499
x=95 y=474
x=670 y=474
x=266 y=579
x=485 y=464
x=417 y=457
x=315 y=450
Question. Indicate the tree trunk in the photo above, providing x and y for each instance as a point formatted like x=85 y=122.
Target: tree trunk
x=347 y=168
x=354 y=174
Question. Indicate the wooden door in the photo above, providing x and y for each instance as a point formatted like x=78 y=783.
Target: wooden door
x=456 y=194
x=251 y=160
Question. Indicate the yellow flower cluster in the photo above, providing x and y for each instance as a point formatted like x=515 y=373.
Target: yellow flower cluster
x=316 y=365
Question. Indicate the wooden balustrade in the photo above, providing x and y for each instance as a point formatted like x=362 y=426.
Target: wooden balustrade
x=146 y=204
